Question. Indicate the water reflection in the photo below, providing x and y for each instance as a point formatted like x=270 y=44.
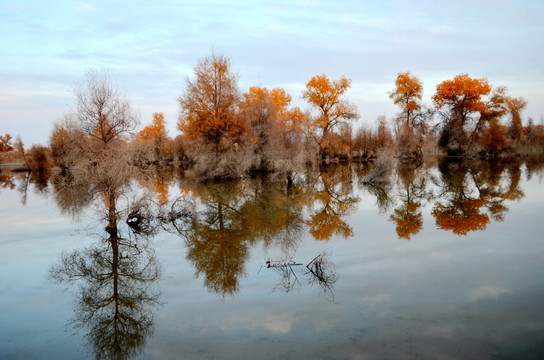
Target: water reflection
x=231 y=217
x=471 y=193
x=319 y=272
x=331 y=202
x=412 y=192
x=116 y=277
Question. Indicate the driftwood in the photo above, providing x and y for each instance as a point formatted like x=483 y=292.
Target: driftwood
x=320 y=271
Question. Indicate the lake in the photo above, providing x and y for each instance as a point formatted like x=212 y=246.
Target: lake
x=446 y=261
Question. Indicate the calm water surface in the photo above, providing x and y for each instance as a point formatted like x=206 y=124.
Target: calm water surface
x=445 y=262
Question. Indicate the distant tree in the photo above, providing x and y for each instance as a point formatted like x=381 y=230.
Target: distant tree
x=494 y=137
x=102 y=113
x=68 y=145
x=327 y=97
x=155 y=133
x=515 y=106
x=383 y=137
x=362 y=142
x=5 y=143
x=39 y=158
x=179 y=146
x=20 y=148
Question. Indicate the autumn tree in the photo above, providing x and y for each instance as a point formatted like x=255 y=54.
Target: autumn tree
x=515 y=106
x=383 y=138
x=327 y=96
x=459 y=99
x=494 y=137
x=274 y=129
x=20 y=148
x=5 y=143
x=208 y=106
x=407 y=94
x=101 y=112
x=495 y=108
x=155 y=133
x=208 y=117
x=263 y=109
x=68 y=145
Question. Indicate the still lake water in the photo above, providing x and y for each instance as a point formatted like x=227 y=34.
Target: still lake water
x=446 y=262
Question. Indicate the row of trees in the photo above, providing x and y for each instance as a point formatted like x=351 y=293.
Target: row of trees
x=227 y=133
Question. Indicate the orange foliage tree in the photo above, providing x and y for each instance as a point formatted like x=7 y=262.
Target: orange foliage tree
x=273 y=125
x=327 y=97
x=208 y=106
x=494 y=137
x=407 y=94
x=5 y=141
x=515 y=106
x=156 y=131
x=460 y=98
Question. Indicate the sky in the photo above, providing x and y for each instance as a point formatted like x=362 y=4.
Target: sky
x=150 y=49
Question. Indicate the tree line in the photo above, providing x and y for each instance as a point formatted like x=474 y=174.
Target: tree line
x=227 y=133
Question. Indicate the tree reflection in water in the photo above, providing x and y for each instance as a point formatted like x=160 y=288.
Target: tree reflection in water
x=117 y=289
x=220 y=222
x=332 y=201
x=411 y=192
x=472 y=193
x=116 y=277
x=234 y=216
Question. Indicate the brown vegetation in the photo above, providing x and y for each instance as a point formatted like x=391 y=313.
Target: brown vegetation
x=227 y=133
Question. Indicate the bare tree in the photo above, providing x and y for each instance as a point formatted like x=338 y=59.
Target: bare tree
x=102 y=113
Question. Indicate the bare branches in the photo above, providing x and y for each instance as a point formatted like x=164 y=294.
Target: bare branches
x=102 y=113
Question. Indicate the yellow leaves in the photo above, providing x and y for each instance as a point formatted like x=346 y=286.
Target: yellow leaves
x=208 y=107
x=324 y=93
x=463 y=93
x=408 y=90
x=161 y=188
x=326 y=96
x=277 y=97
x=459 y=221
x=408 y=221
x=5 y=145
x=325 y=224
x=155 y=132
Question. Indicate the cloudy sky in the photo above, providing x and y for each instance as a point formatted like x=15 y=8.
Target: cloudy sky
x=151 y=47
